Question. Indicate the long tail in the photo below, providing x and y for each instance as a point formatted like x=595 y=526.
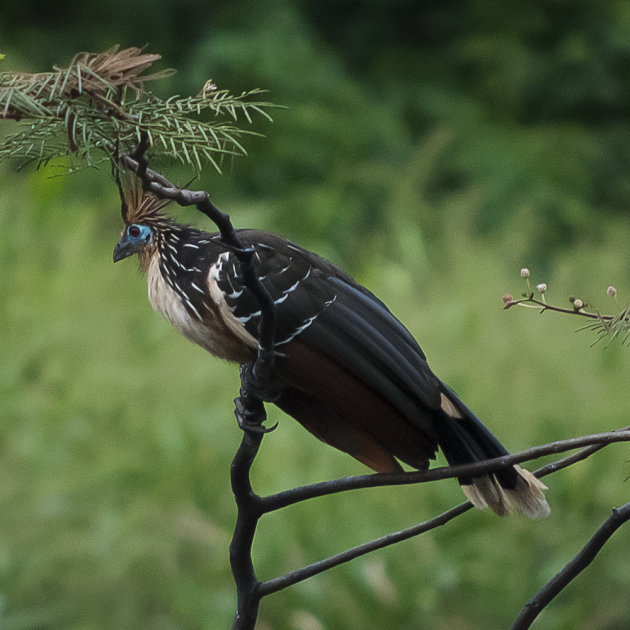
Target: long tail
x=464 y=439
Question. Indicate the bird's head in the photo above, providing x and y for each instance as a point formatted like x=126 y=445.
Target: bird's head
x=134 y=239
x=144 y=222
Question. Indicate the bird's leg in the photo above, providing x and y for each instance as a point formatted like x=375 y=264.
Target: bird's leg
x=249 y=406
x=257 y=377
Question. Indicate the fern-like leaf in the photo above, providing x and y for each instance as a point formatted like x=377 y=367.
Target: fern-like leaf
x=99 y=104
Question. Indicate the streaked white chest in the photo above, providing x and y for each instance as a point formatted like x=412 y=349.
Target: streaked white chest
x=209 y=332
x=168 y=303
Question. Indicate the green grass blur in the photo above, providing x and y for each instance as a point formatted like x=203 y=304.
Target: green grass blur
x=432 y=150
x=117 y=434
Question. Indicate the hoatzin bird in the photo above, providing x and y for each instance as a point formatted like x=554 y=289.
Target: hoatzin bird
x=345 y=367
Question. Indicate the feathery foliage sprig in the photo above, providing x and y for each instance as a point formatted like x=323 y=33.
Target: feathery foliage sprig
x=605 y=326
x=98 y=107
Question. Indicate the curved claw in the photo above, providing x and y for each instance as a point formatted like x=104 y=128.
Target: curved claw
x=255 y=427
x=249 y=419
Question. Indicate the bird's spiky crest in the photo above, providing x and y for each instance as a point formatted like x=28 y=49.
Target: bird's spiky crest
x=139 y=205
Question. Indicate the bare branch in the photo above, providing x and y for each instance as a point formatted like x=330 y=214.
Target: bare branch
x=247 y=584
x=299 y=575
x=295 y=495
x=572 y=569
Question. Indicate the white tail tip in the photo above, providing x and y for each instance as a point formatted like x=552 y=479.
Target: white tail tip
x=526 y=498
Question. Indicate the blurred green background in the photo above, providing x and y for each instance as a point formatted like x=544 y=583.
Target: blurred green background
x=430 y=148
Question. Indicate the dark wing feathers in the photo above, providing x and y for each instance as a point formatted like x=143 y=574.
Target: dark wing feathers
x=329 y=311
x=296 y=286
x=364 y=350
x=352 y=373
x=364 y=320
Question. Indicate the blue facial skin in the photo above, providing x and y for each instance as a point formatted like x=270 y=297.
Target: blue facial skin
x=133 y=239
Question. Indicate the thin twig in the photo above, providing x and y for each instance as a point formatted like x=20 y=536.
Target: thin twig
x=569 y=460
x=301 y=493
x=299 y=575
x=531 y=302
x=573 y=568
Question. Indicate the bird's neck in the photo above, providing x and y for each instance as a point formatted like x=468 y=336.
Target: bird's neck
x=145 y=256
x=168 y=232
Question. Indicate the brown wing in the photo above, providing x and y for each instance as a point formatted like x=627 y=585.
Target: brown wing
x=342 y=411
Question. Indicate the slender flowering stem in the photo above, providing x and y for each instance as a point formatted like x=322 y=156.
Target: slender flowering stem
x=531 y=302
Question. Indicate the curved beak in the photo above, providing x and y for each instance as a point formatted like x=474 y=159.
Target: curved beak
x=123 y=248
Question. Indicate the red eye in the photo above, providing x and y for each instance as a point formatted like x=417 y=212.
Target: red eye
x=134 y=231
